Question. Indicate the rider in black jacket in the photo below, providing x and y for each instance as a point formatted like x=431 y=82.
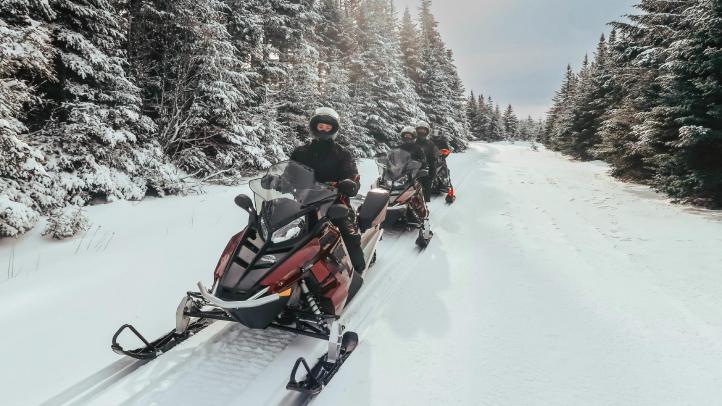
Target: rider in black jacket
x=334 y=164
x=408 y=144
x=432 y=156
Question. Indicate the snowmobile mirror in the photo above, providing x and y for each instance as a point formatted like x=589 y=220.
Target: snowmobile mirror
x=244 y=202
x=337 y=211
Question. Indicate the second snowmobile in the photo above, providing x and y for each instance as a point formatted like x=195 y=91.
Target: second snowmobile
x=407 y=208
x=288 y=269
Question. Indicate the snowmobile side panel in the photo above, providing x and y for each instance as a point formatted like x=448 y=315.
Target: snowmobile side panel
x=228 y=254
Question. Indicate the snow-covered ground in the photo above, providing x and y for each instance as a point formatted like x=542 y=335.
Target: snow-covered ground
x=547 y=283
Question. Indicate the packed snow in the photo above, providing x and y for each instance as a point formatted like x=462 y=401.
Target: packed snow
x=547 y=282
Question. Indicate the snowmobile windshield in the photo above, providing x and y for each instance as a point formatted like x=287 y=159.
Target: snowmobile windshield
x=291 y=180
x=398 y=164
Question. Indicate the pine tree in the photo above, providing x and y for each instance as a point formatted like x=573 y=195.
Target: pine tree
x=693 y=107
x=410 y=46
x=25 y=61
x=473 y=114
x=97 y=136
x=511 y=123
x=438 y=84
x=559 y=118
x=385 y=95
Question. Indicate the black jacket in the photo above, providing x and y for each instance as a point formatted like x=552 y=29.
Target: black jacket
x=417 y=153
x=431 y=152
x=330 y=161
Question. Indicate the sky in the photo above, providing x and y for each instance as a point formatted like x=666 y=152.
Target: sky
x=517 y=50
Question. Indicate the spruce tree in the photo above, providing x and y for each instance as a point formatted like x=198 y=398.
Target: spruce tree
x=410 y=46
x=438 y=84
x=26 y=60
x=98 y=138
x=511 y=123
x=692 y=166
x=385 y=95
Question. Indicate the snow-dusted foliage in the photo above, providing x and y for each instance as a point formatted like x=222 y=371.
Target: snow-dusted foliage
x=25 y=60
x=650 y=101
x=66 y=222
x=15 y=218
x=115 y=99
x=438 y=84
x=386 y=97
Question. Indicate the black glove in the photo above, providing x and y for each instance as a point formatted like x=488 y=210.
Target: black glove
x=347 y=187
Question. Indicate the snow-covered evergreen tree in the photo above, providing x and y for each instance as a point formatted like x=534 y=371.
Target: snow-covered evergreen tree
x=25 y=62
x=97 y=140
x=438 y=85
x=692 y=108
x=511 y=123
x=384 y=94
x=410 y=46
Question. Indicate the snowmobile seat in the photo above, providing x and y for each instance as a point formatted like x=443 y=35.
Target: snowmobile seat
x=373 y=211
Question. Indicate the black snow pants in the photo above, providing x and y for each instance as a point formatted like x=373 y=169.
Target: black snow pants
x=352 y=238
x=426 y=182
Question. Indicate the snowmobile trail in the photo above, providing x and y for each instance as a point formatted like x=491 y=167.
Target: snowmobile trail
x=552 y=284
x=547 y=282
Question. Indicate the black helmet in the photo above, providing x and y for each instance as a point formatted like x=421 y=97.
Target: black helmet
x=408 y=130
x=325 y=115
x=423 y=125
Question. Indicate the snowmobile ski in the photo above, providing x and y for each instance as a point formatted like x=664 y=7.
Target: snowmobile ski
x=340 y=348
x=153 y=350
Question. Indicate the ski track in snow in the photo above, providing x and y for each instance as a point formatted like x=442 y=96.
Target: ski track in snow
x=547 y=283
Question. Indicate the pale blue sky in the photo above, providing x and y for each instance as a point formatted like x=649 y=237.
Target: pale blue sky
x=517 y=50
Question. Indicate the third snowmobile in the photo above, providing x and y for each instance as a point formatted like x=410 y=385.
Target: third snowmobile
x=442 y=179
x=288 y=269
x=400 y=177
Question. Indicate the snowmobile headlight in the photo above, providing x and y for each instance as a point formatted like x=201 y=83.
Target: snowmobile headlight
x=289 y=231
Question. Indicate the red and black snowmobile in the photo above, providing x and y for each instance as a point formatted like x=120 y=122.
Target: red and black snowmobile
x=442 y=179
x=407 y=208
x=288 y=269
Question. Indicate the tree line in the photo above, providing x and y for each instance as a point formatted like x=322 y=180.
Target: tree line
x=103 y=100
x=488 y=123
x=649 y=102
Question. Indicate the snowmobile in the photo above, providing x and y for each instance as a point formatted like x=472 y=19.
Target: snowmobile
x=442 y=179
x=407 y=208
x=288 y=270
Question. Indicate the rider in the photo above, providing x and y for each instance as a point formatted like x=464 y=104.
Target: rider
x=441 y=141
x=334 y=164
x=408 y=144
x=432 y=155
